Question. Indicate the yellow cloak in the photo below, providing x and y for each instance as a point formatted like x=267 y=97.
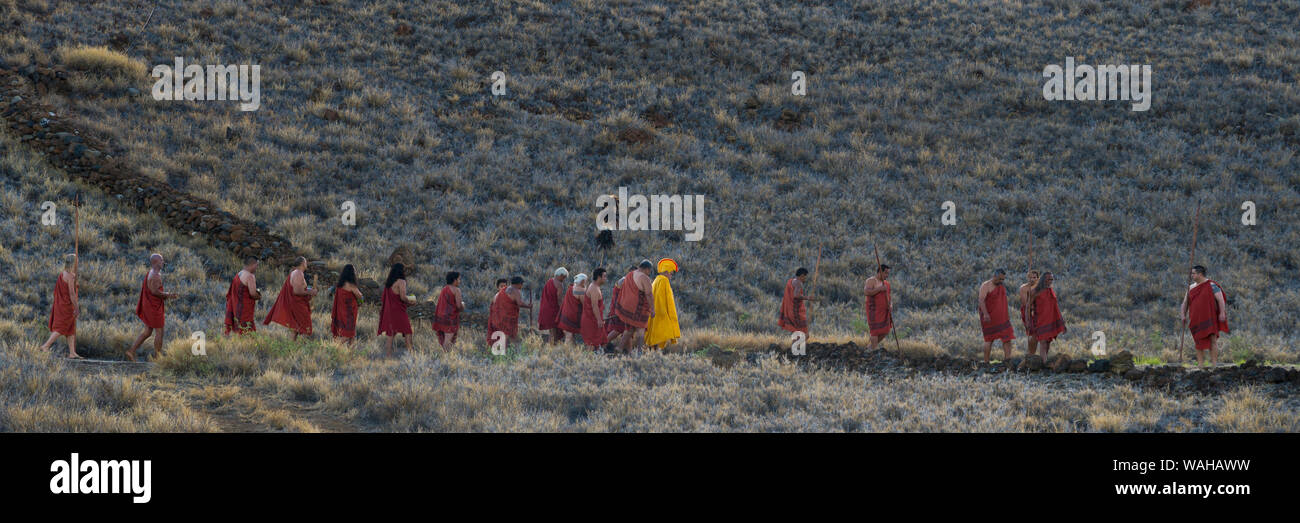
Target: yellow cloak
x=663 y=326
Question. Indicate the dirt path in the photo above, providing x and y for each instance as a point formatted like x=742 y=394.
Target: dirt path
x=231 y=407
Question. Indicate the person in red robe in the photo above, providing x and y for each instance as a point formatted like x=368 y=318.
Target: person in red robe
x=614 y=327
x=64 y=310
x=593 y=308
x=503 y=314
x=1045 y=317
x=393 y=319
x=150 y=308
x=292 y=308
x=548 y=313
x=635 y=305
x=880 y=313
x=446 y=317
x=241 y=299
x=793 y=315
x=995 y=318
x=347 y=299
x=571 y=310
x=1205 y=312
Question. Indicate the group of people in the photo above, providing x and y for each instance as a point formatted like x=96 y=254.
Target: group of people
x=642 y=312
x=1204 y=311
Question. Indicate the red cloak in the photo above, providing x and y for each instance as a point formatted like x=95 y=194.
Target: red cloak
x=592 y=335
x=880 y=317
x=548 y=315
x=289 y=310
x=612 y=322
x=1046 y=321
x=794 y=310
x=239 y=308
x=446 y=317
x=632 y=306
x=503 y=315
x=998 y=327
x=571 y=313
x=62 y=319
x=1203 y=313
x=150 y=308
x=393 y=319
x=343 y=318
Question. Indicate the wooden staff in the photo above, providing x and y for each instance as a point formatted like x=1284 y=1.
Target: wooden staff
x=1187 y=290
x=814 y=276
x=892 y=326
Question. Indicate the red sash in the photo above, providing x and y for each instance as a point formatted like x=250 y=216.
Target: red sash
x=998 y=327
x=503 y=315
x=149 y=308
x=592 y=335
x=632 y=306
x=880 y=319
x=239 y=308
x=289 y=310
x=446 y=317
x=1047 y=321
x=794 y=311
x=1203 y=314
x=571 y=313
x=548 y=315
x=393 y=319
x=343 y=318
x=62 y=320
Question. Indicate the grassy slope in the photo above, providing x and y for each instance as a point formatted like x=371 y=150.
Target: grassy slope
x=910 y=104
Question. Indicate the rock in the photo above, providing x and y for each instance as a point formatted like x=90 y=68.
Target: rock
x=1101 y=365
x=132 y=91
x=403 y=29
x=1134 y=375
x=1275 y=375
x=16 y=99
x=1031 y=363
x=1059 y=363
x=1122 y=362
x=722 y=358
x=1079 y=365
x=330 y=115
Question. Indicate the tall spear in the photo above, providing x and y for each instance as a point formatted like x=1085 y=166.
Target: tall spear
x=814 y=277
x=76 y=243
x=892 y=326
x=1191 y=259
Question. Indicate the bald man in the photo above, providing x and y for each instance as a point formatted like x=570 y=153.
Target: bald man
x=149 y=308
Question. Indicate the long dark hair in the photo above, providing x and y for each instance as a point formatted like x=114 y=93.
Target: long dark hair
x=398 y=272
x=348 y=275
x=1042 y=282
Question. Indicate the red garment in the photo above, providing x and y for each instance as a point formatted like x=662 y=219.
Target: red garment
x=592 y=335
x=503 y=315
x=1203 y=314
x=343 y=318
x=392 y=314
x=880 y=315
x=1046 y=319
x=571 y=313
x=150 y=308
x=998 y=327
x=239 y=308
x=446 y=317
x=548 y=315
x=289 y=310
x=612 y=321
x=632 y=306
x=62 y=319
x=794 y=310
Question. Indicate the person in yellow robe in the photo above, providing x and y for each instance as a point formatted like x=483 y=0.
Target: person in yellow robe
x=662 y=329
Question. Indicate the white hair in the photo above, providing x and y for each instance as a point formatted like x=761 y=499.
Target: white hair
x=562 y=272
